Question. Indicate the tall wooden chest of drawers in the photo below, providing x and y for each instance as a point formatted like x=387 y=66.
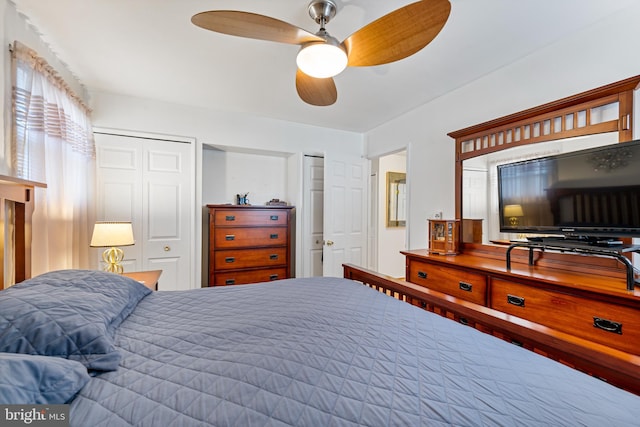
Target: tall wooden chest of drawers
x=249 y=244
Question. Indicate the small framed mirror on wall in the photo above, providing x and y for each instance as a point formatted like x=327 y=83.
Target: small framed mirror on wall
x=396 y=199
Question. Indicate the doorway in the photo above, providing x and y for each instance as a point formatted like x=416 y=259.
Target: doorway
x=389 y=186
x=337 y=213
x=313 y=222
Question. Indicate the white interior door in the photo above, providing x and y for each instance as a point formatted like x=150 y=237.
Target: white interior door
x=313 y=216
x=345 y=225
x=149 y=183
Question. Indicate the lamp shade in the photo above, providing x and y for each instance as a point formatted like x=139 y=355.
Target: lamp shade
x=513 y=211
x=112 y=233
x=322 y=59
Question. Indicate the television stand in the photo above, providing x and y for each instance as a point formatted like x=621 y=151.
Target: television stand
x=616 y=251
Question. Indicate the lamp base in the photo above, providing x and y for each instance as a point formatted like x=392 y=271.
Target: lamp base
x=112 y=258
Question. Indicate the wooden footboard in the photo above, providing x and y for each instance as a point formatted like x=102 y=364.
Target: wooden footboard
x=616 y=367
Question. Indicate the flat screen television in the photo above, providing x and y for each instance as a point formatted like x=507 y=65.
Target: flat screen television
x=589 y=193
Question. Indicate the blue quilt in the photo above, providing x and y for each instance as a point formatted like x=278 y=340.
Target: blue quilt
x=328 y=352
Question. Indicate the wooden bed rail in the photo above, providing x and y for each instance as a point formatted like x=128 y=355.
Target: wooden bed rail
x=616 y=367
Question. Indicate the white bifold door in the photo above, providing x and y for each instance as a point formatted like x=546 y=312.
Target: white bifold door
x=150 y=182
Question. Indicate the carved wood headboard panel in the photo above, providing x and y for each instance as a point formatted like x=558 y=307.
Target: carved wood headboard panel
x=17 y=198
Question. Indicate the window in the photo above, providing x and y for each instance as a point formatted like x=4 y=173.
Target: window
x=52 y=142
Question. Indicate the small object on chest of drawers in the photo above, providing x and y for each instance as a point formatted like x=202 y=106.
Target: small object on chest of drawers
x=444 y=236
x=276 y=202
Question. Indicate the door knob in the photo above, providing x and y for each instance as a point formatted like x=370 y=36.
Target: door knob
x=329 y=242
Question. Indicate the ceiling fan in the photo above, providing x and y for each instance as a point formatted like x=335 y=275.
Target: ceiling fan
x=390 y=38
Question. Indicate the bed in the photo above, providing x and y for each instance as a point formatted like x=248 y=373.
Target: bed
x=302 y=352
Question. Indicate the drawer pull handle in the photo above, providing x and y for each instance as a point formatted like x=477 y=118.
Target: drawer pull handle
x=515 y=300
x=273 y=256
x=273 y=236
x=607 y=325
x=229 y=259
x=273 y=277
x=422 y=274
x=230 y=237
x=466 y=286
x=230 y=218
x=230 y=282
x=274 y=217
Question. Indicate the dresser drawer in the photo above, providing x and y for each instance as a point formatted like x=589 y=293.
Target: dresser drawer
x=247 y=237
x=458 y=283
x=601 y=322
x=249 y=217
x=248 y=258
x=244 y=277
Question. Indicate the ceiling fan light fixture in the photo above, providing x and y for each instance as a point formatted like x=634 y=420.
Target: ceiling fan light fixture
x=395 y=36
x=322 y=60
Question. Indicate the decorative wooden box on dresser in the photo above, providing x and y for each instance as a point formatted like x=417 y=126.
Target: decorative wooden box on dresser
x=249 y=244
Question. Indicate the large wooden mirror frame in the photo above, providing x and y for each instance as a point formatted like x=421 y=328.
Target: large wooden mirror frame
x=565 y=118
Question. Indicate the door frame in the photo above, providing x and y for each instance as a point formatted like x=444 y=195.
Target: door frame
x=307 y=218
x=195 y=190
x=374 y=213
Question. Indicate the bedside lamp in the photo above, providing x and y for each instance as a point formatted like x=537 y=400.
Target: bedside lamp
x=514 y=213
x=108 y=234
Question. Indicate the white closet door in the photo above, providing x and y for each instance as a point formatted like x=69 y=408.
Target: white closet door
x=119 y=198
x=149 y=182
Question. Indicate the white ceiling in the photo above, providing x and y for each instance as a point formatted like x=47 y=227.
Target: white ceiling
x=150 y=49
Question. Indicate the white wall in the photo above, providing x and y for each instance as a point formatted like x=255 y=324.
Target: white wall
x=220 y=128
x=596 y=56
x=212 y=192
x=226 y=174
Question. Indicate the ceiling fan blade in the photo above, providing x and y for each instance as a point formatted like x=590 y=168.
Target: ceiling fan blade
x=319 y=92
x=398 y=34
x=252 y=25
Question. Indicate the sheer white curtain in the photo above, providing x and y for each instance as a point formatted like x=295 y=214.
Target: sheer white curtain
x=52 y=142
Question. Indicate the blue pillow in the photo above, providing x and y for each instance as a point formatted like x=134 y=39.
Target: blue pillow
x=28 y=379
x=68 y=313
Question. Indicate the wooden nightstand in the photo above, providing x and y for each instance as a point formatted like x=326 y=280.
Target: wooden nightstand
x=147 y=278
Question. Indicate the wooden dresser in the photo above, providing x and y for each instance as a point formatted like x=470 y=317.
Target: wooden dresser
x=249 y=244
x=593 y=307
